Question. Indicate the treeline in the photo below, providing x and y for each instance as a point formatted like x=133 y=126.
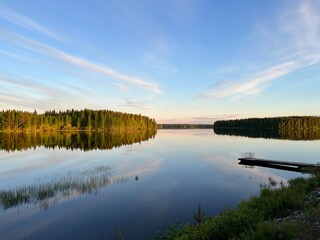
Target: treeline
x=184 y=126
x=87 y=120
x=85 y=141
x=294 y=122
x=292 y=128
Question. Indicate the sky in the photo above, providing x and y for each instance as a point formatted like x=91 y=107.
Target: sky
x=178 y=61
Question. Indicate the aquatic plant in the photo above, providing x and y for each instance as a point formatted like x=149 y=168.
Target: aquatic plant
x=72 y=183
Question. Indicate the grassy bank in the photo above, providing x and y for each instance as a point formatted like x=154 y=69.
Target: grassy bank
x=278 y=212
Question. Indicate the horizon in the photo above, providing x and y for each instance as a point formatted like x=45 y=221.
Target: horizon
x=165 y=123
x=179 y=62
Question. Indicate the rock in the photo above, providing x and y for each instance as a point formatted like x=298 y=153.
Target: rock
x=287 y=218
x=278 y=220
x=295 y=213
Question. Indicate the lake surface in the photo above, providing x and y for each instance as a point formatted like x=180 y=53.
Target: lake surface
x=99 y=187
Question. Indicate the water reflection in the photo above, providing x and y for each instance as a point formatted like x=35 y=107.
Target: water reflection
x=71 y=140
x=166 y=177
x=286 y=134
x=73 y=183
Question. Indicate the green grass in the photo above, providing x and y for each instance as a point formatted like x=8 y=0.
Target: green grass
x=254 y=218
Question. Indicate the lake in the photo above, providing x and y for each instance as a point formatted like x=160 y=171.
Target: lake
x=80 y=186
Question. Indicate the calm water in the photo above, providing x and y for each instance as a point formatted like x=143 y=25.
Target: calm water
x=80 y=187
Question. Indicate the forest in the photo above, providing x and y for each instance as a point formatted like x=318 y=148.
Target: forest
x=74 y=120
x=294 y=122
x=293 y=128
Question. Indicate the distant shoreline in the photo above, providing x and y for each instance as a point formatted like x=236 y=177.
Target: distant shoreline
x=184 y=126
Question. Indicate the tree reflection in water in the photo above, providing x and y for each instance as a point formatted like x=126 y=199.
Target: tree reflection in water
x=85 y=141
x=286 y=134
x=75 y=183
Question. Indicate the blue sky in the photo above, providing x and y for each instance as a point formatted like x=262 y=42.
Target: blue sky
x=191 y=61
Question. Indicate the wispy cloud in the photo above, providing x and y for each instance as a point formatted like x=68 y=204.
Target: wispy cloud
x=213 y=118
x=309 y=14
x=300 y=28
x=21 y=20
x=293 y=44
x=207 y=119
x=33 y=45
x=133 y=103
x=38 y=94
x=145 y=85
x=15 y=56
x=121 y=87
x=251 y=85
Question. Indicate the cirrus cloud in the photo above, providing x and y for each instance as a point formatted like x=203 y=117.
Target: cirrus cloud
x=17 y=18
x=292 y=43
x=50 y=51
x=251 y=85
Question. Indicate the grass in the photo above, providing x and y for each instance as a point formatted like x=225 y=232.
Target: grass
x=80 y=183
x=256 y=218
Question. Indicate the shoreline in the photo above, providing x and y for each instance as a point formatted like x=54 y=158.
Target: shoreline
x=277 y=212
